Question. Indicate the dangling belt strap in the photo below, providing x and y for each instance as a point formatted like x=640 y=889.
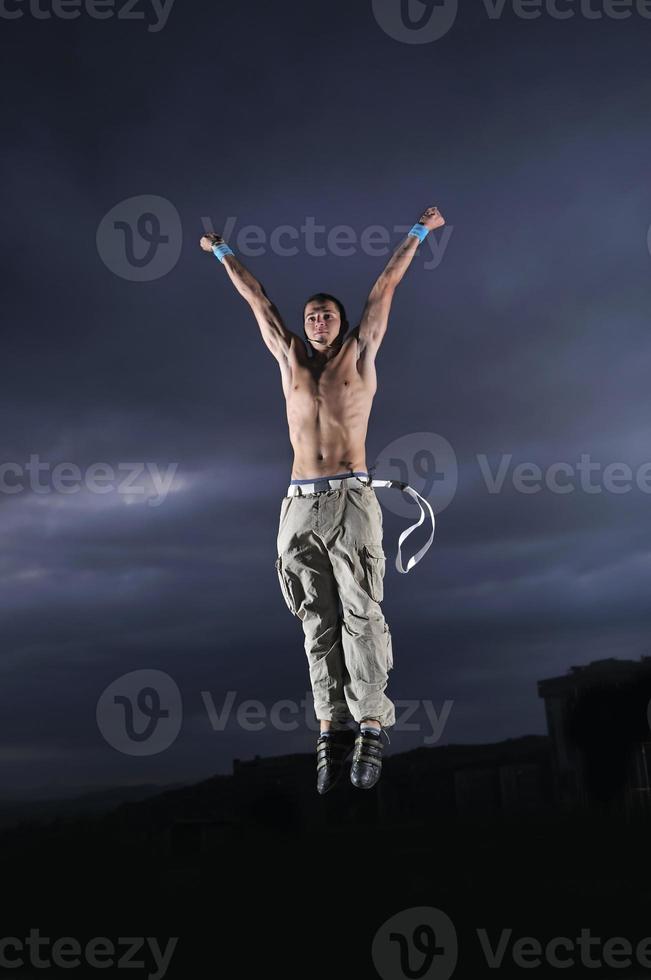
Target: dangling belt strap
x=405 y=534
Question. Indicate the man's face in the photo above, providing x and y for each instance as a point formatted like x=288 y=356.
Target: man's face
x=322 y=322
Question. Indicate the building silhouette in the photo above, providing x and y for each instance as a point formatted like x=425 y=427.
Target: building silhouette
x=598 y=722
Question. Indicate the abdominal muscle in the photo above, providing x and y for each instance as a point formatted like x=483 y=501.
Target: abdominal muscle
x=327 y=413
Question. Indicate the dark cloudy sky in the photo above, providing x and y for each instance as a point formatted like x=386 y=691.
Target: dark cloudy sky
x=529 y=340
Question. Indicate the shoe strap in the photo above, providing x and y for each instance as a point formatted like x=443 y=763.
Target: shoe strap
x=373 y=759
x=383 y=731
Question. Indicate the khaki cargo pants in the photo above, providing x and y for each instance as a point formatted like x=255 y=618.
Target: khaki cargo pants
x=331 y=566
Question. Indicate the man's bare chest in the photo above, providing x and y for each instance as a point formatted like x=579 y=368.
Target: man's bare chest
x=333 y=379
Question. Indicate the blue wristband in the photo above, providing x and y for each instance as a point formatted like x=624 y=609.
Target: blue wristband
x=222 y=250
x=419 y=231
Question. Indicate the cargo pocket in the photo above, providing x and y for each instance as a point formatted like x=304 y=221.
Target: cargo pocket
x=374 y=561
x=284 y=586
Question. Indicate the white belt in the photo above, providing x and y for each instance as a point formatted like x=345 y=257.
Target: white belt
x=335 y=483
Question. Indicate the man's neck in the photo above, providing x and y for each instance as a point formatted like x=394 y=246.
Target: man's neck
x=321 y=355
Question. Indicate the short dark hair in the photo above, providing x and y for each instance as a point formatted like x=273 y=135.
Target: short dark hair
x=322 y=297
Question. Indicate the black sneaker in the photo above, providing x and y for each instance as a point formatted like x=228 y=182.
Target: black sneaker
x=332 y=750
x=366 y=768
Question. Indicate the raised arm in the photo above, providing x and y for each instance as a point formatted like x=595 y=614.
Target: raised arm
x=274 y=332
x=375 y=317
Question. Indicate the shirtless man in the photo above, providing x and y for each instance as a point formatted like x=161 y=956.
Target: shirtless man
x=330 y=560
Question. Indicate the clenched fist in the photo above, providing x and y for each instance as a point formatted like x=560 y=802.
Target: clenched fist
x=431 y=218
x=209 y=240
